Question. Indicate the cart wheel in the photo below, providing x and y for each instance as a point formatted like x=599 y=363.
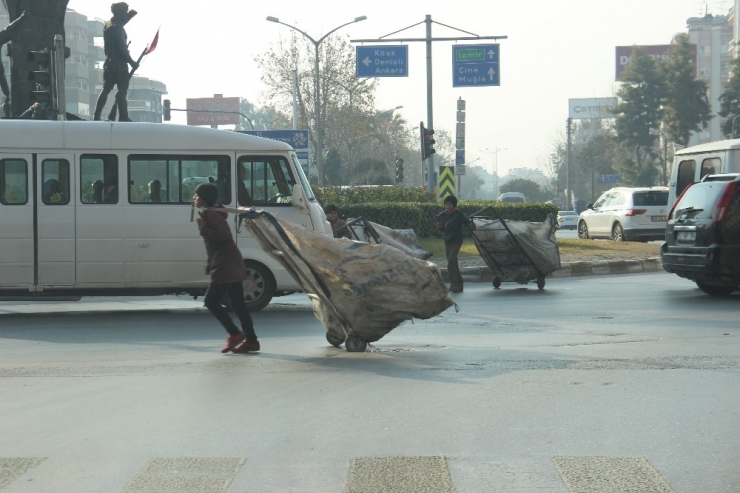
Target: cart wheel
x=334 y=340
x=355 y=345
x=496 y=282
x=540 y=282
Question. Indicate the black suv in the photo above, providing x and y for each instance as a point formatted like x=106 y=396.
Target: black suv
x=702 y=237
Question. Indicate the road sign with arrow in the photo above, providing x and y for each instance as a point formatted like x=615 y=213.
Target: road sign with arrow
x=475 y=65
x=383 y=61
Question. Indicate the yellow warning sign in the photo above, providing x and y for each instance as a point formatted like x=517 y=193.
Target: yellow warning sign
x=446 y=181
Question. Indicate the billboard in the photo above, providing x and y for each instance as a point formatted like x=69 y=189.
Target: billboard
x=624 y=53
x=590 y=108
x=213 y=111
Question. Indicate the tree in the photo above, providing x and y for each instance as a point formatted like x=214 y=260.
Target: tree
x=530 y=189
x=371 y=172
x=595 y=158
x=686 y=107
x=45 y=20
x=333 y=168
x=639 y=113
x=339 y=84
x=730 y=100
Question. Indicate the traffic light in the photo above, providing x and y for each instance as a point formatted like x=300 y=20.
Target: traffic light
x=166 y=110
x=399 y=170
x=43 y=77
x=427 y=142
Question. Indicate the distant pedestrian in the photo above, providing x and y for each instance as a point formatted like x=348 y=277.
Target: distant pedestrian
x=338 y=226
x=450 y=223
x=226 y=268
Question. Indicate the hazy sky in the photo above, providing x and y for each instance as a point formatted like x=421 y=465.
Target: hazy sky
x=556 y=50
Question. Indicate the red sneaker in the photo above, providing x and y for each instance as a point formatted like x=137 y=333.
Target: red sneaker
x=232 y=342
x=247 y=347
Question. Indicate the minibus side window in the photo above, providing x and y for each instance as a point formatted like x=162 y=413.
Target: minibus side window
x=172 y=179
x=266 y=181
x=99 y=179
x=710 y=166
x=685 y=175
x=13 y=182
x=55 y=180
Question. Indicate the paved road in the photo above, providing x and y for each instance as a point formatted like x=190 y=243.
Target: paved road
x=608 y=383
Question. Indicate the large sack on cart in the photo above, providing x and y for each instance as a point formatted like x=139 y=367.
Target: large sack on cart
x=519 y=251
x=404 y=239
x=360 y=291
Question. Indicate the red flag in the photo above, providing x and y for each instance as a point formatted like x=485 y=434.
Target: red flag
x=154 y=43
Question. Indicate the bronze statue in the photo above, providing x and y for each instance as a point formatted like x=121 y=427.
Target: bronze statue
x=117 y=60
x=5 y=36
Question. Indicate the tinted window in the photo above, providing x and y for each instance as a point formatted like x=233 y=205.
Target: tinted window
x=264 y=180
x=163 y=179
x=700 y=196
x=651 y=198
x=55 y=177
x=685 y=175
x=602 y=200
x=99 y=179
x=710 y=166
x=13 y=182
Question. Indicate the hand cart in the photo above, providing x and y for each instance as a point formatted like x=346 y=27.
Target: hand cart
x=517 y=251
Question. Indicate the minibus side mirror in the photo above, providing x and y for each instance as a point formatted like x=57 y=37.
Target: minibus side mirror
x=299 y=200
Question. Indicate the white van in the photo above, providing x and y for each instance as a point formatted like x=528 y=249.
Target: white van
x=512 y=197
x=692 y=163
x=104 y=208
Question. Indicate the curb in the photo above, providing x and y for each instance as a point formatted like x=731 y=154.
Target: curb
x=572 y=269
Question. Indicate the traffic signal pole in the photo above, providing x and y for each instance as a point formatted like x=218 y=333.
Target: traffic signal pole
x=430 y=101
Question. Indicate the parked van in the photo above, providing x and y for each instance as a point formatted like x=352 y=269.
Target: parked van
x=512 y=197
x=691 y=164
x=104 y=208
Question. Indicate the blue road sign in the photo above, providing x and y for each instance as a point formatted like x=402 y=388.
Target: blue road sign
x=475 y=65
x=459 y=157
x=383 y=61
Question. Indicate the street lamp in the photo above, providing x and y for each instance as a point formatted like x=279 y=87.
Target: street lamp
x=494 y=163
x=319 y=150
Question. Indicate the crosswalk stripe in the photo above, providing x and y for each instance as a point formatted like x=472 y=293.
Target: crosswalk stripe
x=399 y=475
x=186 y=475
x=610 y=474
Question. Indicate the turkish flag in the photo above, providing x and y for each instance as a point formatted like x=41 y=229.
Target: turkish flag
x=153 y=44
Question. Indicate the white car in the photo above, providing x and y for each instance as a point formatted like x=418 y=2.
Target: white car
x=567 y=219
x=626 y=214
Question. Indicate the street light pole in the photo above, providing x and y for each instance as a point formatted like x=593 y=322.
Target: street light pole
x=317 y=107
x=494 y=156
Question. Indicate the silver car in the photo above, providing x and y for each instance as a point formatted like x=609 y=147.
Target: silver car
x=626 y=214
x=567 y=219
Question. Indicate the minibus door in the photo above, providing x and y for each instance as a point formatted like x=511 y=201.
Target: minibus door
x=55 y=220
x=16 y=222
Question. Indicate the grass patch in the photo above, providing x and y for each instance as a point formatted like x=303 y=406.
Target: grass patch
x=437 y=247
x=565 y=245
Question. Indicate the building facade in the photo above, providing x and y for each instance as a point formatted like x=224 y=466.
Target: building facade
x=84 y=73
x=713 y=36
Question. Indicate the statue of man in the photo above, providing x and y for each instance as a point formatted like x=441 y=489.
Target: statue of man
x=5 y=36
x=117 y=60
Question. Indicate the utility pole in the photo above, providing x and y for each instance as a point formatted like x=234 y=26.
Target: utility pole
x=567 y=166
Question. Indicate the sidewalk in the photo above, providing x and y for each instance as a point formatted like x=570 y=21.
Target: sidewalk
x=481 y=273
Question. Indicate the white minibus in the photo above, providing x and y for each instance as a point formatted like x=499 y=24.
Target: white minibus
x=693 y=163
x=103 y=208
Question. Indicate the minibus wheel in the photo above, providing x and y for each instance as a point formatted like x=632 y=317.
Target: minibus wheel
x=259 y=286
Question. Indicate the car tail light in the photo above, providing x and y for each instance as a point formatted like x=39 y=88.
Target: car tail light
x=720 y=209
x=673 y=208
x=635 y=212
